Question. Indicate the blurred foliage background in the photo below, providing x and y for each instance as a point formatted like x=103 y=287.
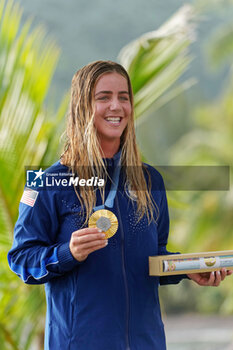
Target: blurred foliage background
x=30 y=129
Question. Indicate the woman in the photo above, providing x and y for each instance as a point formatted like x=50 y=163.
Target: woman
x=99 y=293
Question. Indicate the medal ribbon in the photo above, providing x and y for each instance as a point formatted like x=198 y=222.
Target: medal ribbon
x=109 y=202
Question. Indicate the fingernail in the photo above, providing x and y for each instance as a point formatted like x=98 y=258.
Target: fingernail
x=99 y=230
x=106 y=243
x=103 y=235
x=218 y=272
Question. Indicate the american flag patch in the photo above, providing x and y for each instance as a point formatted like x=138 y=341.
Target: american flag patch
x=29 y=197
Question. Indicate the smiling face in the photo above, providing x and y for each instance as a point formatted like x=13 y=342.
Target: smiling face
x=112 y=106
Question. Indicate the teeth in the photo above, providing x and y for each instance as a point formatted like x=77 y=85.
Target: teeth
x=112 y=119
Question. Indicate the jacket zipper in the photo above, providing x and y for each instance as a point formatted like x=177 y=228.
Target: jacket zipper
x=125 y=279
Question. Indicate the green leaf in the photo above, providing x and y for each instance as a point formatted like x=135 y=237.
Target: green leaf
x=27 y=136
x=157 y=59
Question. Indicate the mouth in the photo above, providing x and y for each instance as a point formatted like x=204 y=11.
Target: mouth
x=113 y=120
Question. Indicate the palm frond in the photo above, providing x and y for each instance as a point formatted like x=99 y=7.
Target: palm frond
x=27 y=133
x=157 y=59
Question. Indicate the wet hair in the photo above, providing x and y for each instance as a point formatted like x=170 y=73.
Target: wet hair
x=82 y=151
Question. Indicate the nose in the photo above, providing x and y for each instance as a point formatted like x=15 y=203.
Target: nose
x=115 y=104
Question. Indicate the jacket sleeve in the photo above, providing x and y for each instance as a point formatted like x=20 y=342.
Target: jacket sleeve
x=163 y=232
x=36 y=256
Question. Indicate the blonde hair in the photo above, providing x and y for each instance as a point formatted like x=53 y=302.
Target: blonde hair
x=82 y=152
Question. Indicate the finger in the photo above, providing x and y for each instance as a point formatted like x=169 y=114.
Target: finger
x=211 y=279
x=217 y=278
x=92 y=244
x=86 y=230
x=97 y=247
x=88 y=238
x=229 y=272
x=223 y=273
x=81 y=254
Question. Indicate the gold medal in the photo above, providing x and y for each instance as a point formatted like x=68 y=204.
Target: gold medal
x=105 y=220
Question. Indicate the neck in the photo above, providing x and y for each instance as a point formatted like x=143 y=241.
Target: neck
x=109 y=148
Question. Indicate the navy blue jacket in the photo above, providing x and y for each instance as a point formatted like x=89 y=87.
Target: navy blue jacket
x=109 y=301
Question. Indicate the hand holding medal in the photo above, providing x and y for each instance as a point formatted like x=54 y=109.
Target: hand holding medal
x=87 y=240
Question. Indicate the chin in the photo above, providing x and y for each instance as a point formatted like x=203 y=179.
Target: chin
x=111 y=135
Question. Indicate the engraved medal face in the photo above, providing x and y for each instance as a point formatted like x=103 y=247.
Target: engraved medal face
x=103 y=223
x=105 y=220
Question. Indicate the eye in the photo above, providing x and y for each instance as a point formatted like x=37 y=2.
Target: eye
x=124 y=98
x=103 y=98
